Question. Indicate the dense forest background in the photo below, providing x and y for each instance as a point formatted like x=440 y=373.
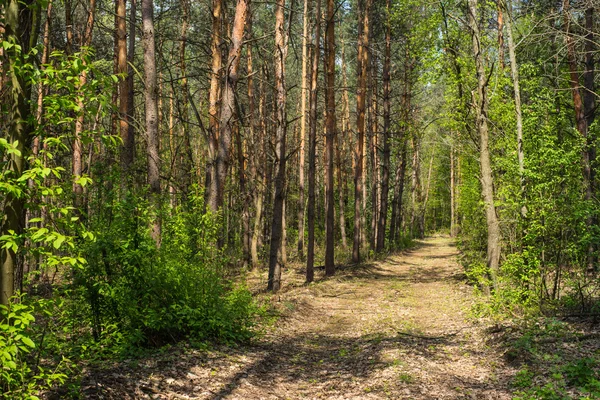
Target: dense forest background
x=156 y=152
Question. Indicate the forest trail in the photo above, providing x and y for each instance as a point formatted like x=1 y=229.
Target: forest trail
x=393 y=329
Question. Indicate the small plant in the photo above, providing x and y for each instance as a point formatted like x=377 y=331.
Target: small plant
x=581 y=372
x=523 y=378
x=20 y=376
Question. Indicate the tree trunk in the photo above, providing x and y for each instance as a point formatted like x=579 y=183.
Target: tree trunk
x=127 y=152
x=481 y=105
x=274 y=283
x=79 y=122
x=228 y=114
x=452 y=191
x=151 y=98
x=312 y=145
x=396 y=222
x=387 y=111
x=44 y=60
x=362 y=63
x=341 y=150
x=329 y=139
x=514 y=69
x=18 y=29
x=301 y=162
x=187 y=158
x=213 y=108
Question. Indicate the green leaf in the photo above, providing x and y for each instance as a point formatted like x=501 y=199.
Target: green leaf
x=58 y=241
x=28 y=341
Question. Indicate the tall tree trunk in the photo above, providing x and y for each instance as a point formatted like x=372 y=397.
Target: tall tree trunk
x=228 y=114
x=583 y=107
x=396 y=222
x=373 y=150
x=69 y=27
x=18 y=29
x=452 y=190
x=127 y=152
x=44 y=60
x=481 y=105
x=151 y=98
x=416 y=185
x=312 y=145
x=500 y=11
x=79 y=122
x=426 y=199
x=341 y=143
x=387 y=111
x=280 y=149
x=303 y=116
x=514 y=69
x=362 y=64
x=213 y=108
x=187 y=158
x=329 y=139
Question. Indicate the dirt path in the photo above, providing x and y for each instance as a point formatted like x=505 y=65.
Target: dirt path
x=394 y=329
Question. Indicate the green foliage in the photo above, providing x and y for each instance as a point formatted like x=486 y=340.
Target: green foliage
x=21 y=376
x=140 y=295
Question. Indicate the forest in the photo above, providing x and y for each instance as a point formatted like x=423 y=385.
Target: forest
x=299 y=199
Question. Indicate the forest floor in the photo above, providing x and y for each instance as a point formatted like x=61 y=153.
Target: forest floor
x=396 y=328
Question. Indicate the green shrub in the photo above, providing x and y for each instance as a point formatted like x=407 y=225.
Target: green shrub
x=149 y=296
x=20 y=375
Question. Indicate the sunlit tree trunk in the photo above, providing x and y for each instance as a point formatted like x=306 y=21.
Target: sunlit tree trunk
x=213 y=108
x=151 y=99
x=481 y=104
x=387 y=111
x=79 y=122
x=514 y=69
x=362 y=63
x=312 y=145
x=274 y=282
x=187 y=158
x=341 y=148
x=228 y=115
x=127 y=151
x=329 y=139
x=301 y=162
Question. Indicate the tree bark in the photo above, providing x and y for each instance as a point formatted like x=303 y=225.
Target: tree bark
x=387 y=111
x=275 y=266
x=303 y=115
x=213 y=108
x=312 y=145
x=481 y=105
x=127 y=151
x=151 y=98
x=228 y=114
x=18 y=30
x=362 y=63
x=514 y=69
x=79 y=122
x=329 y=139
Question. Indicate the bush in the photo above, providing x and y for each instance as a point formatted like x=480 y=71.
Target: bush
x=20 y=375
x=149 y=296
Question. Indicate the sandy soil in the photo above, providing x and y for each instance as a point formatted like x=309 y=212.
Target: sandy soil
x=395 y=329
